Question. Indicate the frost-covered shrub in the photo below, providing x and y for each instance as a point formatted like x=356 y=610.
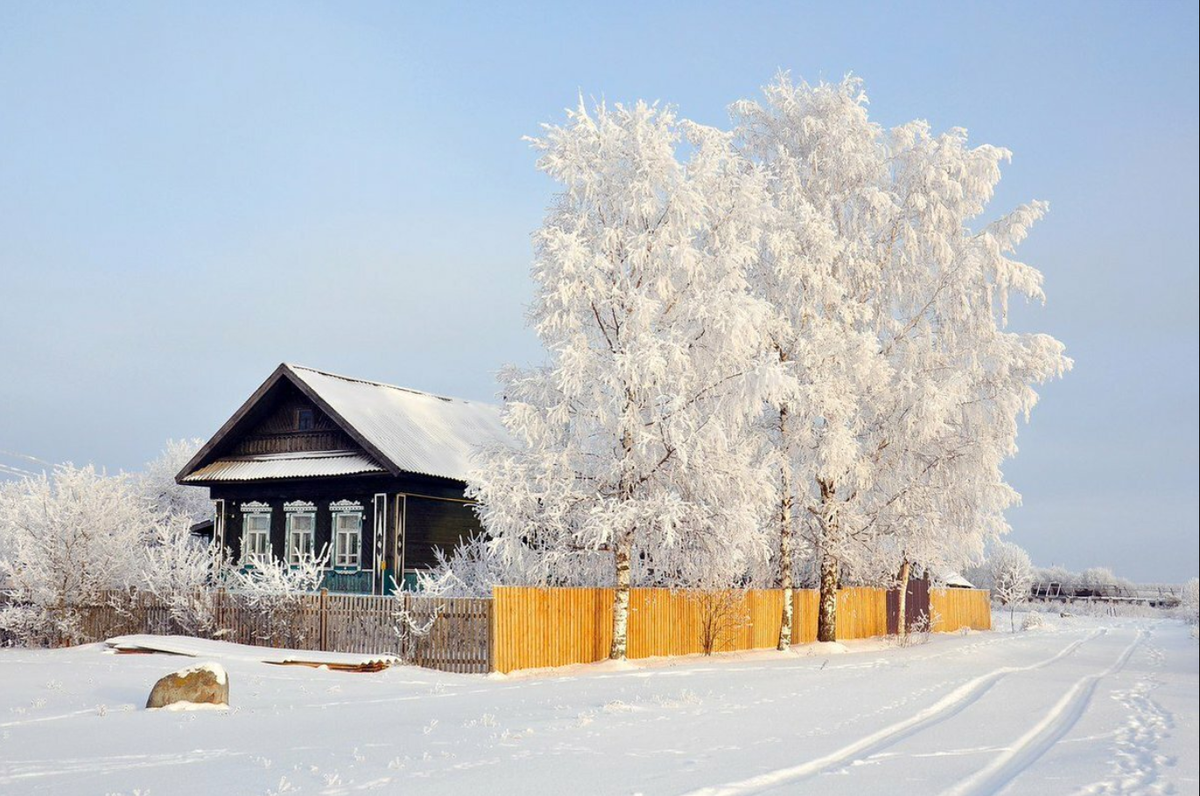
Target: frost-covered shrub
x=1011 y=575
x=919 y=630
x=180 y=571
x=272 y=591
x=474 y=567
x=1189 y=604
x=68 y=536
x=156 y=483
x=1032 y=621
x=723 y=615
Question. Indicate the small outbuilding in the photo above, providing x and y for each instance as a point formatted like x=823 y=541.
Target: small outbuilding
x=374 y=473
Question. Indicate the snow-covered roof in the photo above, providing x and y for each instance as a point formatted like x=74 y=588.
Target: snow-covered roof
x=952 y=579
x=285 y=465
x=396 y=430
x=415 y=431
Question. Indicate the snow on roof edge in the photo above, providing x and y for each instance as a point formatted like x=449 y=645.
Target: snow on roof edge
x=373 y=383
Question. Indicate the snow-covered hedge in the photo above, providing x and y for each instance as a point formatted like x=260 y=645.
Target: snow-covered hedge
x=74 y=537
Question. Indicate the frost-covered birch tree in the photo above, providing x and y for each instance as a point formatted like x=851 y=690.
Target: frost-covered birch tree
x=631 y=450
x=903 y=389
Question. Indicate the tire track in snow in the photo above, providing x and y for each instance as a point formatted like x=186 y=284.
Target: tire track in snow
x=1043 y=735
x=948 y=706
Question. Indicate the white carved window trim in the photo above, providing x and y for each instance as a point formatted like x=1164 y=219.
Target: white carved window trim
x=256 y=530
x=343 y=559
x=294 y=510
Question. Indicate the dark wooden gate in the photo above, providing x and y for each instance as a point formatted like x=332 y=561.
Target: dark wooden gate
x=916 y=604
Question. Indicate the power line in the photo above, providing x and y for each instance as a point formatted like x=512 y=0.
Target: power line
x=26 y=457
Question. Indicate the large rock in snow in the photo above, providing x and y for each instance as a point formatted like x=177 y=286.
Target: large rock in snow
x=203 y=684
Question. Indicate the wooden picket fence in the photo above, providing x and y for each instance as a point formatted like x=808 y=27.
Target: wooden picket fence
x=535 y=627
x=458 y=637
x=525 y=627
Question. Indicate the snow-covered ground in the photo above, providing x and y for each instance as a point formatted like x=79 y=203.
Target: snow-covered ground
x=1083 y=706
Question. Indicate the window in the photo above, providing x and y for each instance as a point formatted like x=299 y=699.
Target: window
x=347 y=540
x=304 y=420
x=300 y=527
x=256 y=535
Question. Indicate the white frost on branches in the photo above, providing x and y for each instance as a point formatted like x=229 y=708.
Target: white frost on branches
x=631 y=441
x=1011 y=574
x=77 y=538
x=157 y=484
x=69 y=535
x=788 y=344
x=902 y=390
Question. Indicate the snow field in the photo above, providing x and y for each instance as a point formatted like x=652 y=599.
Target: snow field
x=1087 y=706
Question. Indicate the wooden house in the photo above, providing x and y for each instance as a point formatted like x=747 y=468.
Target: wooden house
x=373 y=473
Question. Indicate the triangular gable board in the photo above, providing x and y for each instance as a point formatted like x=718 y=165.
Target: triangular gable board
x=270 y=408
x=294 y=424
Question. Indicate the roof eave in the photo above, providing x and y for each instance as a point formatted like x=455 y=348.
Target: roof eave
x=194 y=463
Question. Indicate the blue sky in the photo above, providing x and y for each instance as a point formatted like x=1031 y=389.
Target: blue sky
x=190 y=194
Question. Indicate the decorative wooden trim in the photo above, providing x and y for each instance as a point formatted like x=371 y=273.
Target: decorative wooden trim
x=219 y=522
x=379 y=517
x=255 y=510
x=346 y=507
x=334 y=533
x=294 y=509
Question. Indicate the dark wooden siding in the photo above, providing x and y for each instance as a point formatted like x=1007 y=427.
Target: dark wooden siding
x=321 y=493
x=431 y=524
x=277 y=432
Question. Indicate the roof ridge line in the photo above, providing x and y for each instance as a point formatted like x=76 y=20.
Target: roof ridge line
x=374 y=383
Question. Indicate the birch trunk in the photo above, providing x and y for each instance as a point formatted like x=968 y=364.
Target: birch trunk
x=902 y=599
x=830 y=565
x=623 y=554
x=785 y=538
x=827 y=612
x=620 y=636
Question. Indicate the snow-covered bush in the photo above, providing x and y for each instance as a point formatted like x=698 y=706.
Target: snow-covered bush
x=1033 y=621
x=481 y=562
x=156 y=483
x=69 y=536
x=272 y=590
x=918 y=631
x=180 y=571
x=1065 y=578
x=1011 y=574
x=1189 y=601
